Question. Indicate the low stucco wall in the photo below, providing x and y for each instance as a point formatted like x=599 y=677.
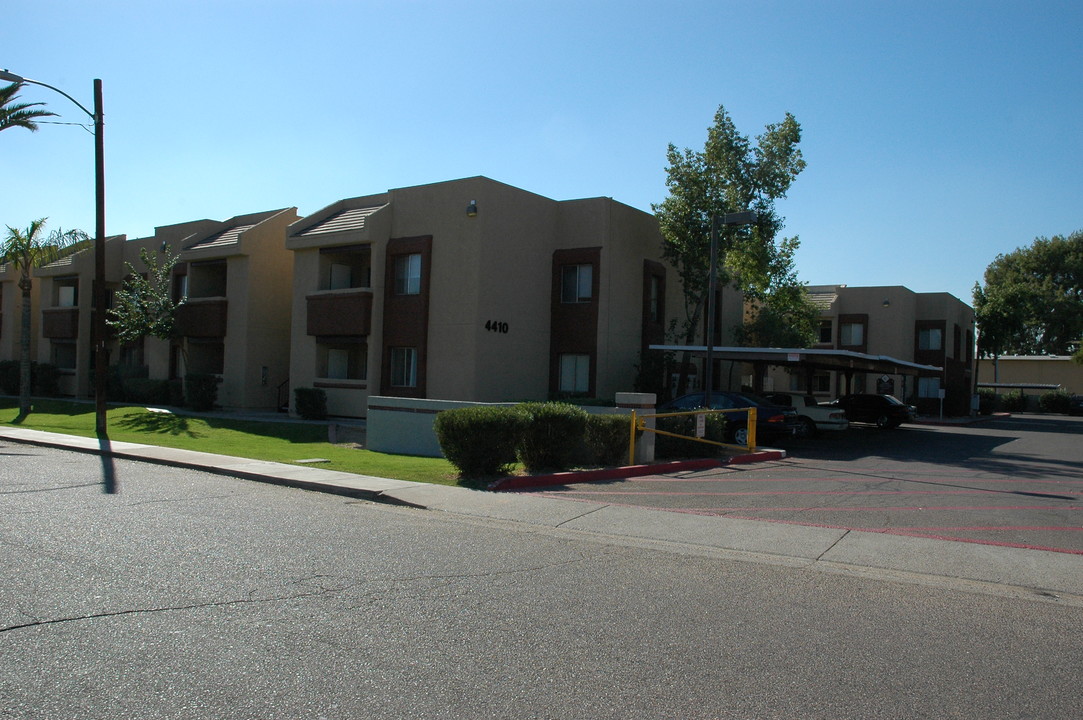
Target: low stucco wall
x=404 y=426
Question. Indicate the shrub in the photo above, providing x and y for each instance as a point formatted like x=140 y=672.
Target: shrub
x=607 y=439
x=311 y=403
x=987 y=401
x=44 y=378
x=9 y=377
x=146 y=391
x=1055 y=401
x=672 y=447
x=554 y=436
x=480 y=441
x=1014 y=401
x=201 y=391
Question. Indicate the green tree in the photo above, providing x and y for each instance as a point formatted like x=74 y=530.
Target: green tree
x=1032 y=300
x=779 y=312
x=144 y=306
x=730 y=174
x=22 y=115
x=25 y=250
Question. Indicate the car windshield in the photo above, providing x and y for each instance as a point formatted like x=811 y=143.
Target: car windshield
x=893 y=400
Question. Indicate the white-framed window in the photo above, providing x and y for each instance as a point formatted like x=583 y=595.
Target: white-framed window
x=67 y=292
x=341 y=277
x=930 y=339
x=851 y=334
x=574 y=373
x=655 y=299
x=408 y=274
x=343 y=361
x=403 y=367
x=928 y=387
x=576 y=283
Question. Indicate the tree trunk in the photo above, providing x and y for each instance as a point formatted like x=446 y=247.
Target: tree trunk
x=686 y=357
x=24 y=354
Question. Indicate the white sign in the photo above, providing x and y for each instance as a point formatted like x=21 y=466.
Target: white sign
x=701 y=424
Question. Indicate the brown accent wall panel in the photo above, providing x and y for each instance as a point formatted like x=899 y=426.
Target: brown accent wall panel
x=574 y=326
x=654 y=331
x=406 y=317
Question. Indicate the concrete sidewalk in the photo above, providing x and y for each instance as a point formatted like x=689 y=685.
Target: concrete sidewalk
x=989 y=568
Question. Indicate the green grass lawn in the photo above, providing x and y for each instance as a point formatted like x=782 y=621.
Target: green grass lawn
x=282 y=442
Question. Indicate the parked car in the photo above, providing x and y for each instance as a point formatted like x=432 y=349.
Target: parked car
x=885 y=411
x=773 y=422
x=814 y=416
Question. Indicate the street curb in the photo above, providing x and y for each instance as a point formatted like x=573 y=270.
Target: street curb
x=620 y=473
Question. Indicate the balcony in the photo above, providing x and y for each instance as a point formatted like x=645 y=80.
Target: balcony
x=337 y=313
x=60 y=323
x=202 y=317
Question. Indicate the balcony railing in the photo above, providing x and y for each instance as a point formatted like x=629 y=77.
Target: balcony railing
x=60 y=323
x=338 y=313
x=202 y=317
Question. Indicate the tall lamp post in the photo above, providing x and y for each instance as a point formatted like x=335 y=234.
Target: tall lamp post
x=746 y=217
x=99 y=240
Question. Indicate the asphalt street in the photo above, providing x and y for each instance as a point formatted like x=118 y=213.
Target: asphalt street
x=197 y=595
x=1015 y=482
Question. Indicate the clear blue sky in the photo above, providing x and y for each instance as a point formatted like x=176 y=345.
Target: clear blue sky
x=937 y=134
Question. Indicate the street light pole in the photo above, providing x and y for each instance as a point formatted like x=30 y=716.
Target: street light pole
x=99 y=241
x=747 y=217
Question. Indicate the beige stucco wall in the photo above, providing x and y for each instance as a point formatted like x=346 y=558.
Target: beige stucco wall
x=1060 y=370
x=492 y=267
x=11 y=304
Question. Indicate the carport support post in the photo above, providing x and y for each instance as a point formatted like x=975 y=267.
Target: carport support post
x=641 y=403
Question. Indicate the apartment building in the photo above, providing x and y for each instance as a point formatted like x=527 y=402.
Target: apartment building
x=235 y=322
x=930 y=329
x=474 y=290
x=11 y=305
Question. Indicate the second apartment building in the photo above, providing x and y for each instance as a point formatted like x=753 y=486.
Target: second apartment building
x=474 y=290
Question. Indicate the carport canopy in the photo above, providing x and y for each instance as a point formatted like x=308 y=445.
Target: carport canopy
x=809 y=359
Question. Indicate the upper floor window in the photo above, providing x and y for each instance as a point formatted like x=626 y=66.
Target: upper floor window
x=852 y=334
x=67 y=292
x=408 y=274
x=576 y=283
x=656 y=299
x=826 y=332
x=930 y=339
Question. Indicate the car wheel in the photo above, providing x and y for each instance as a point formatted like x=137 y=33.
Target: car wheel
x=884 y=422
x=739 y=435
x=807 y=428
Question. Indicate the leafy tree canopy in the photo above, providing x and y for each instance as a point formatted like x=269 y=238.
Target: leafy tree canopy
x=144 y=306
x=731 y=174
x=1032 y=299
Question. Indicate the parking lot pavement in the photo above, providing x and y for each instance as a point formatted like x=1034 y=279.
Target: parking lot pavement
x=1013 y=481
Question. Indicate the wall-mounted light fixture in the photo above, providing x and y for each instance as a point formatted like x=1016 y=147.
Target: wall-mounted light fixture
x=887 y=303
x=472 y=209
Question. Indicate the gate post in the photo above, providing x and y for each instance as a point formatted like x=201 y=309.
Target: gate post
x=642 y=403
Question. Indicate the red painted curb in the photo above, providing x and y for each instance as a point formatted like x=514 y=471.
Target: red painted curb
x=619 y=473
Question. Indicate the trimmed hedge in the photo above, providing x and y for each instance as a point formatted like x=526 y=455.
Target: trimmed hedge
x=201 y=391
x=1055 y=401
x=480 y=441
x=553 y=437
x=607 y=439
x=311 y=403
x=1014 y=401
x=44 y=378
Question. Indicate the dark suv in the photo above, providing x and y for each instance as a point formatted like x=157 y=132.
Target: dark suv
x=885 y=411
x=773 y=422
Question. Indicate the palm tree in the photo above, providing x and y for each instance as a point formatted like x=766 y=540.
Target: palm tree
x=25 y=251
x=19 y=114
